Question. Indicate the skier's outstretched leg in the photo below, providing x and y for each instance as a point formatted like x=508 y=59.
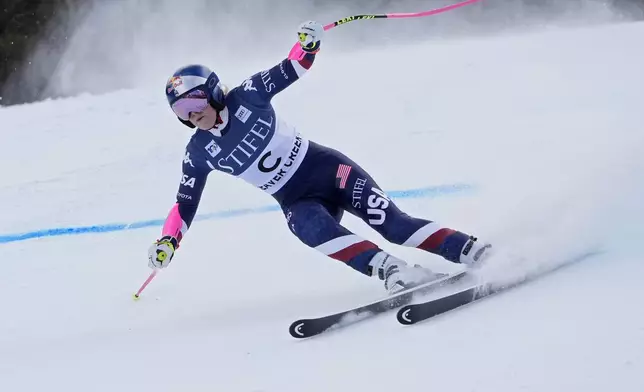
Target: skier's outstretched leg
x=316 y=223
x=375 y=208
x=383 y=215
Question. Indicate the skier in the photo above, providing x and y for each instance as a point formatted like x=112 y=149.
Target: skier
x=239 y=133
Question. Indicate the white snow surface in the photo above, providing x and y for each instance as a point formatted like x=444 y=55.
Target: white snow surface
x=546 y=126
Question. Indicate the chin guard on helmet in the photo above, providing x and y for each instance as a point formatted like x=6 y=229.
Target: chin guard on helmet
x=186 y=123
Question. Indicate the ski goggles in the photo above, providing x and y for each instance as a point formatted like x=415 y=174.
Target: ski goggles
x=193 y=101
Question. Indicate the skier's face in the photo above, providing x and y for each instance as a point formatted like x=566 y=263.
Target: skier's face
x=204 y=119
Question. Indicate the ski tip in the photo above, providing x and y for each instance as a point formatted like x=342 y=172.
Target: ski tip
x=297 y=329
x=403 y=315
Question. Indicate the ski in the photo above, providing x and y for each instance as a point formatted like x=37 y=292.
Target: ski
x=414 y=313
x=411 y=314
x=306 y=328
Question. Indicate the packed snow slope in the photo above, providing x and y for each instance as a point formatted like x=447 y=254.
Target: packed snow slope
x=531 y=141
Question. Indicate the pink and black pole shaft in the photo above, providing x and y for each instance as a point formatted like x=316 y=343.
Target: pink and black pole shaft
x=399 y=15
x=144 y=285
x=298 y=54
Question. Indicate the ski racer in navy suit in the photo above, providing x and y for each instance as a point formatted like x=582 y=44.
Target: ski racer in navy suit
x=239 y=132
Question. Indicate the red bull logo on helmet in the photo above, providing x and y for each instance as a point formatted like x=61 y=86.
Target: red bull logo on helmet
x=184 y=83
x=173 y=83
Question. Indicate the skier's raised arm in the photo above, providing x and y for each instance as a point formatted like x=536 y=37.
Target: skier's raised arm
x=266 y=84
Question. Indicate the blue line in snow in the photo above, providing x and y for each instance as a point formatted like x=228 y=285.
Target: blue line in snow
x=428 y=192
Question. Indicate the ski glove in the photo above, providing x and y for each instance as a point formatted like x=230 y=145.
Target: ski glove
x=161 y=252
x=310 y=34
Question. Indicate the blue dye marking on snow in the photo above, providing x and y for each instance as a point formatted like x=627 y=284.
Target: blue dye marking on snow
x=428 y=192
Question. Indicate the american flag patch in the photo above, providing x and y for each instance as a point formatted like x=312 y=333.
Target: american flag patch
x=342 y=176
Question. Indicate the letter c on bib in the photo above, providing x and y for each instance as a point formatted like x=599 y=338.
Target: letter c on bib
x=263 y=168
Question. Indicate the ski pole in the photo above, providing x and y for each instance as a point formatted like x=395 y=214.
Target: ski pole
x=143 y=286
x=298 y=54
x=399 y=15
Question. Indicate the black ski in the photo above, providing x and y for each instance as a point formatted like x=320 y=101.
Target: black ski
x=414 y=313
x=306 y=328
x=411 y=314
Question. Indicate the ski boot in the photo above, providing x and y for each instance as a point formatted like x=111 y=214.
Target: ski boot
x=398 y=275
x=474 y=252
